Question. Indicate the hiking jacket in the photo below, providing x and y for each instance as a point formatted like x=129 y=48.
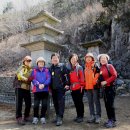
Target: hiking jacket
x=22 y=73
x=108 y=78
x=59 y=76
x=91 y=75
x=40 y=77
x=76 y=76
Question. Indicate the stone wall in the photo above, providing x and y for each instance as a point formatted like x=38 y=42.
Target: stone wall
x=7 y=94
x=6 y=84
x=127 y=82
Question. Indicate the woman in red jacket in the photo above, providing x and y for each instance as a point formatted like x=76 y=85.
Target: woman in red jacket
x=76 y=86
x=109 y=75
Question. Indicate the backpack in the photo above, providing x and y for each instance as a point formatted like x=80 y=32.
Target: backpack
x=96 y=70
x=16 y=82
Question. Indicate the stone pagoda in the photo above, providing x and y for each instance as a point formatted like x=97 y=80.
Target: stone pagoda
x=93 y=46
x=43 y=35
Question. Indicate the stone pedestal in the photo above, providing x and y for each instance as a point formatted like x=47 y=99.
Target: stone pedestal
x=93 y=46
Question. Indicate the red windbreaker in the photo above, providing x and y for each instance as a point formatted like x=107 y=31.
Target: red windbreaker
x=76 y=78
x=105 y=73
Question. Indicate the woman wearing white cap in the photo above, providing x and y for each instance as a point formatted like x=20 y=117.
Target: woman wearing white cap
x=41 y=81
x=109 y=75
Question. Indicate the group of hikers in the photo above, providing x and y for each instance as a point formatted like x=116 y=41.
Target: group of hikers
x=60 y=78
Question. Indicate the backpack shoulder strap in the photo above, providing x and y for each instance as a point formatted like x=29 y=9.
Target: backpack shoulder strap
x=35 y=72
x=62 y=67
x=95 y=69
x=108 y=69
x=78 y=67
x=46 y=71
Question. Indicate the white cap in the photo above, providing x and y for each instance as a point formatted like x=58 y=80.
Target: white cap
x=107 y=56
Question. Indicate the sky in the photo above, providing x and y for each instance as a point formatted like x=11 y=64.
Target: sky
x=19 y=4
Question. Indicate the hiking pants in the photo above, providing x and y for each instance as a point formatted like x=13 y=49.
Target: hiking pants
x=77 y=97
x=58 y=96
x=109 y=96
x=22 y=94
x=43 y=97
x=94 y=102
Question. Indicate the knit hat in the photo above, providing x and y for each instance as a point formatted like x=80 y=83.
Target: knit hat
x=107 y=56
x=40 y=59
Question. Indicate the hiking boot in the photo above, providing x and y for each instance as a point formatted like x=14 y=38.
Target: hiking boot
x=59 y=121
x=91 y=119
x=79 y=120
x=106 y=122
x=110 y=124
x=75 y=119
x=98 y=119
x=20 y=121
x=55 y=120
x=43 y=120
x=27 y=119
x=35 y=121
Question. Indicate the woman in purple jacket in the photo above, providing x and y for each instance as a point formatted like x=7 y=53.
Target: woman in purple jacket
x=41 y=81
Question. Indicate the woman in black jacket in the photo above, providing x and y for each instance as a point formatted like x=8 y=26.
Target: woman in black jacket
x=59 y=82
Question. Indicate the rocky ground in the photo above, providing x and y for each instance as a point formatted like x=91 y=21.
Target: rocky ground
x=7 y=119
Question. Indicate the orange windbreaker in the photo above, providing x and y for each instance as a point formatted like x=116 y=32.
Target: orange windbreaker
x=90 y=76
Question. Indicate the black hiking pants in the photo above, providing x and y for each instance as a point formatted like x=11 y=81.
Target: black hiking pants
x=109 y=96
x=77 y=97
x=43 y=98
x=58 y=96
x=22 y=95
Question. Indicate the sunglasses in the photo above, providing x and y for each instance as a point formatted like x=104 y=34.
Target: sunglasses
x=29 y=60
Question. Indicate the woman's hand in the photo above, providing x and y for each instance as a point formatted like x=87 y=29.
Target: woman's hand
x=41 y=86
x=67 y=87
x=25 y=79
x=103 y=83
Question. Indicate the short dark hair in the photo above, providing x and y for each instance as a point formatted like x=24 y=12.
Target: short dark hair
x=72 y=55
x=55 y=54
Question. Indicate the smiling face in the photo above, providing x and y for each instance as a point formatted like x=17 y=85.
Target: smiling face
x=88 y=59
x=103 y=60
x=41 y=64
x=55 y=60
x=74 y=60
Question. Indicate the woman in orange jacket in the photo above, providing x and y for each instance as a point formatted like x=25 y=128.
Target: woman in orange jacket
x=91 y=77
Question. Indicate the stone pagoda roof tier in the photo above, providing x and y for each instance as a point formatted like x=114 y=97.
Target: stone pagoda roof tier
x=45 y=28
x=98 y=42
x=42 y=45
x=44 y=16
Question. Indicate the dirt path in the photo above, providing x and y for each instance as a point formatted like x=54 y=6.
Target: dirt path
x=7 y=120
